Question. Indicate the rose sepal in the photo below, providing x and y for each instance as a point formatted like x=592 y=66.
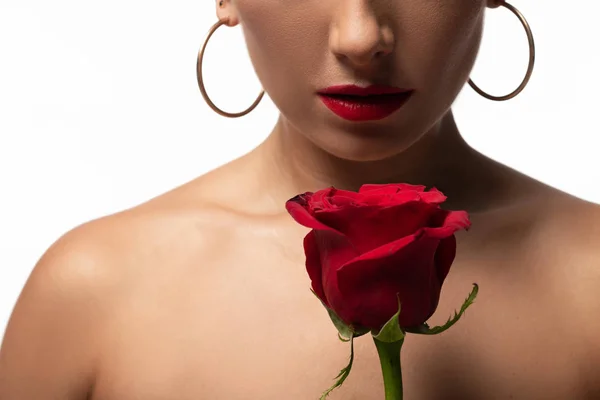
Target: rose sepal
x=344 y=372
x=345 y=332
x=391 y=331
x=388 y=342
x=425 y=329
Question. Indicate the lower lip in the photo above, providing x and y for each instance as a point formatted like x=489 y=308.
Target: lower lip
x=367 y=108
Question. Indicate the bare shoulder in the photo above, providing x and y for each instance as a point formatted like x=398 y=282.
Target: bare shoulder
x=51 y=339
x=55 y=332
x=549 y=246
x=570 y=226
x=182 y=222
x=104 y=253
x=568 y=238
x=567 y=233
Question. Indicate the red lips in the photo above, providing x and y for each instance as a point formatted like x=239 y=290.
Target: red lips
x=355 y=103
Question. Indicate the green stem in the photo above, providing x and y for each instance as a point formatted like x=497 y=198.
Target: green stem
x=389 y=357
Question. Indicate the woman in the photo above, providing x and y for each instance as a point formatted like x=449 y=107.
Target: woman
x=201 y=293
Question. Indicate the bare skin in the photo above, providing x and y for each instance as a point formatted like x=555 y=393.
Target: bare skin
x=201 y=293
x=197 y=295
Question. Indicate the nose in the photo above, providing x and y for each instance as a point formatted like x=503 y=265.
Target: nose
x=357 y=34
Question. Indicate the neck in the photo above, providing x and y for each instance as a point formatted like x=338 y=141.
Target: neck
x=440 y=158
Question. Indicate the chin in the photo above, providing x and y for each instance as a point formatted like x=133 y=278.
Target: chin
x=376 y=145
x=361 y=152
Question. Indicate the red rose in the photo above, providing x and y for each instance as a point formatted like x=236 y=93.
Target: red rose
x=366 y=249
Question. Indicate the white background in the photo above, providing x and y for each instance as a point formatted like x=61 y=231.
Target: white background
x=100 y=109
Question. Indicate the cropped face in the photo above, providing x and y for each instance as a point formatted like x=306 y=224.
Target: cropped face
x=424 y=49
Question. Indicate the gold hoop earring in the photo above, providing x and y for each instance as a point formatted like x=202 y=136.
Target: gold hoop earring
x=531 y=60
x=201 y=80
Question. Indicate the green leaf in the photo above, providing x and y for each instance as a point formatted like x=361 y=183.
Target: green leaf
x=391 y=331
x=342 y=339
x=343 y=329
x=424 y=329
x=343 y=373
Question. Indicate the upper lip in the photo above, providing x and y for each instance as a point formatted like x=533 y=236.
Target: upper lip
x=363 y=91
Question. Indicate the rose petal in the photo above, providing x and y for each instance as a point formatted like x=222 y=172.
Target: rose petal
x=297 y=207
x=342 y=201
x=318 y=200
x=378 y=190
x=345 y=194
x=374 y=197
x=444 y=257
x=369 y=227
x=386 y=250
x=369 y=283
x=385 y=186
x=313 y=265
x=433 y=196
x=443 y=223
x=334 y=251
